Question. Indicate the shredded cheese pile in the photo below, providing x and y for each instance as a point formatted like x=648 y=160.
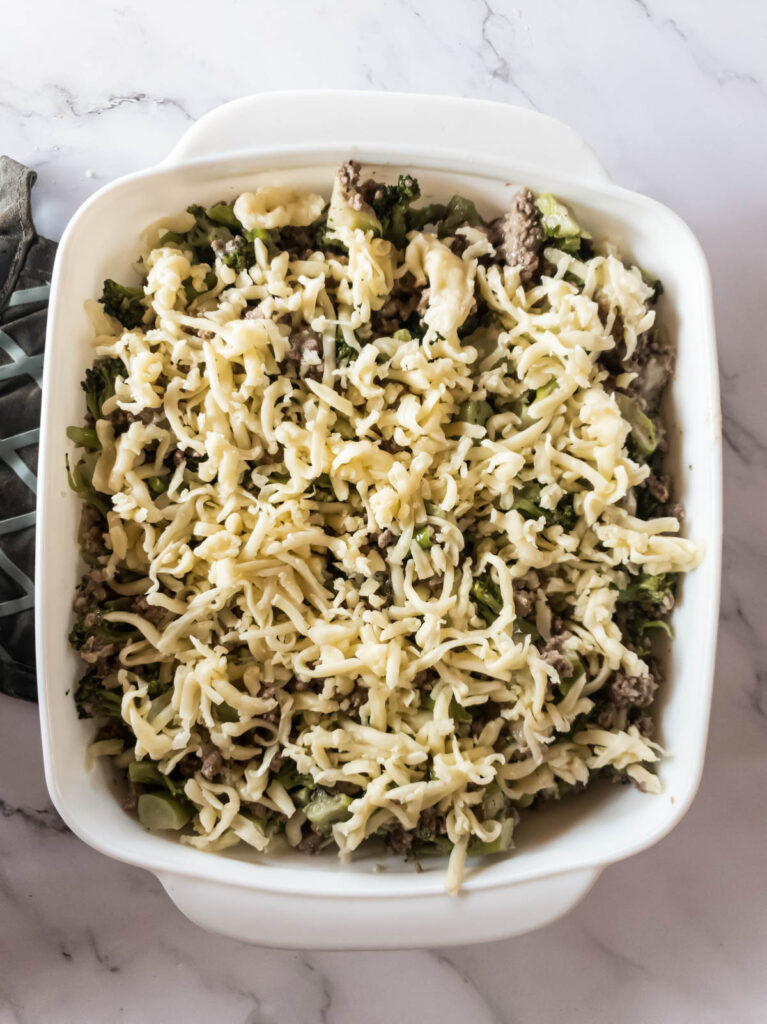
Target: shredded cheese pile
x=280 y=607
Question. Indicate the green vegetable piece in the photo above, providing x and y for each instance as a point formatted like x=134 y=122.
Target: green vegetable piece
x=99 y=384
x=226 y=713
x=238 y=255
x=546 y=389
x=80 y=480
x=345 y=353
x=391 y=204
x=523 y=628
x=493 y=802
x=145 y=773
x=158 y=484
x=159 y=812
x=204 y=232
x=251 y=234
x=476 y=412
x=559 y=224
x=435 y=846
x=403 y=334
x=422 y=537
x=645 y=626
x=83 y=437
x=432 y=508
x=647 y=589
x=172 y=238
x=642 y=427
x=487 y=596
x=223 y=213
x=477 y=848
x=325 y=809
x=94 y=700
x=125 y=304
x=566 y=682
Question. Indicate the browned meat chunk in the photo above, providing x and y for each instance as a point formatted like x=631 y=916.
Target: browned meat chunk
x=552 y=654
x=524 y=600
x=404 y=299
x=522 y=235
x=631 y=691
x=305 y=353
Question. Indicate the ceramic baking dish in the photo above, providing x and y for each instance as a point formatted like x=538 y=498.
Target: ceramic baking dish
x=483 y=150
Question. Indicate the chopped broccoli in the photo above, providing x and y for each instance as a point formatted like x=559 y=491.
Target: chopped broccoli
x=559 y=225
x=643 y=433
x=391 y=204
x=204 y=232
x=345 y=353
x=94 y=700
x=84 y=437
x=528 y=504
x=81 y=482
x=403 y=334
x=123 y=303
x=647 y=589
x=223 y=213
x=446 y=218
x=99 y=383
x=158 y=811
x=422 y=537
x=326 y=808
x=101 y=629
x=475 y=412
x=487 y=596
x=237 y=254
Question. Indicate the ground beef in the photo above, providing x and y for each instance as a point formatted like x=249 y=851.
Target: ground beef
x=390 y=445
x=130 y=796
x=645 y=725
x=434 y=583
x=212 y=761
x=298 y=241
x=91 y=532
x=348 y=177
x=91 y=591
x=356 y=699
x=552 y=654
x=385 y=589
x=384 y=539
x=521 y=235
x=425 y=680
x=97 y=652
x=398 y=840
x=631 y=691
x=433 y=821
x=305 y=353
x=405 y=298
x=254 y=313
x=524 y=600
x=152 y=613
x=310 y=842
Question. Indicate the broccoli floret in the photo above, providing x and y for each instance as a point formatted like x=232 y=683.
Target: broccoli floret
x=99 y=383
x=123 y=303
x=487 y=596
x=345 y=353
x=446 y=218
x=81 y=482
x=93 y=700
x=475 y=412
x=422 y=537
x=223 y=213
x=237 y=254
x=647 y=589
x=559 y=226
x=528 y=504
x=101 y=629
x=391 y=204
x=204 y=233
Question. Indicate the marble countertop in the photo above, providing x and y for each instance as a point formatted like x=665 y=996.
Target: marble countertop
x=673 y=97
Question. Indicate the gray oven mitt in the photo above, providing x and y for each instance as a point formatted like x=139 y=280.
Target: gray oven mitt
x=26 y=261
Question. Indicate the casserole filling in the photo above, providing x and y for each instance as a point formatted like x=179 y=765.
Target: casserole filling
x=379 y=543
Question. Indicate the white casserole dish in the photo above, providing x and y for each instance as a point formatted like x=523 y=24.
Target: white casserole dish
x=483 y=150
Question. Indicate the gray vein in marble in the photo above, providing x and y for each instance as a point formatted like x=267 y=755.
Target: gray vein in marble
x=494 y=1012
x=47 y=818
x=326 y=989
x=704 y=65
x=502 y=71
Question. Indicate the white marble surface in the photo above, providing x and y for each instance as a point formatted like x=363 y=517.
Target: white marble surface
x=672 y=94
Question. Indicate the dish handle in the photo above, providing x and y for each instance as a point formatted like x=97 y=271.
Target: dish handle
x=356 y=121
x=394 y=921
